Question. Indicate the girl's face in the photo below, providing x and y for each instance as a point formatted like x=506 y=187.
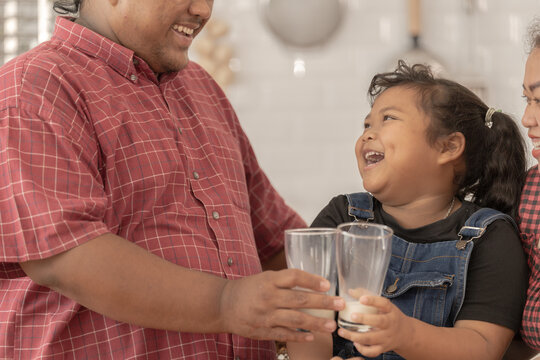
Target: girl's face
x=396 y=162
x=531 y=91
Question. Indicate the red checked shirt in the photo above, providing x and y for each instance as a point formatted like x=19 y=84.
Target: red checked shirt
x=529 y=214
x=91 y=141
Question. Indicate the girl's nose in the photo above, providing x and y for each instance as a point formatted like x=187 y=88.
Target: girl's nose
x=368 y=135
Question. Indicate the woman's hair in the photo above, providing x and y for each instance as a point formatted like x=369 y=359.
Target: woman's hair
x=495 y=157
x=534 y=34
x=65 y=7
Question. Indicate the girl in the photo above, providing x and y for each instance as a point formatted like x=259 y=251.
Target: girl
x=444 y=171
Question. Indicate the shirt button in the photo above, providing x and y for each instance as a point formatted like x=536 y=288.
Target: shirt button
x=180 y=131
x=237 y=358
x=135 y=62
x=133 y=77
x=229 y=261
x=196 y=175
x=215 y=215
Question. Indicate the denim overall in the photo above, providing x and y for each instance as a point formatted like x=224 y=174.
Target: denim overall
x=425 y=281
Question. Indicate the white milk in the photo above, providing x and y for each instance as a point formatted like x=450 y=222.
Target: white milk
x=322 y=313
x=346 y=315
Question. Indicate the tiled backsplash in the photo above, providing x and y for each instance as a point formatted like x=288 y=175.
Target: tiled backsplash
x=303 y=129
x=303 y=126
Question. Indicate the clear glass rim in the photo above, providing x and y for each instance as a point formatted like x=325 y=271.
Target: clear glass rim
x=386 y=229
x=311 y=231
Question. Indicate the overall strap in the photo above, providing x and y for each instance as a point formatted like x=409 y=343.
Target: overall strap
x=477 y=223
x=361 y=206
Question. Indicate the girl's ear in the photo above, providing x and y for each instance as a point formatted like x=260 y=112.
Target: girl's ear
x=451 y=147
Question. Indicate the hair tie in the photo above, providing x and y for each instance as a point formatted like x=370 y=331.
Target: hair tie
x=489 y=114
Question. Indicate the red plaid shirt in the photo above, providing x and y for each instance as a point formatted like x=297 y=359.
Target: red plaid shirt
x=529 y=218
x=91 y=141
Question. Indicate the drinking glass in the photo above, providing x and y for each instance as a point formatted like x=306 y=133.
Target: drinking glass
x=313 y=250
x=363 y=253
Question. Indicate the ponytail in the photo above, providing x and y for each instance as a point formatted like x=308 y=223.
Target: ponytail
x=496 y=164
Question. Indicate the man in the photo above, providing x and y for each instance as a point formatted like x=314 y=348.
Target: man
x=134 y=214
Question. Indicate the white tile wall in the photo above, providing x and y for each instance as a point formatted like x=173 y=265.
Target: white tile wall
x=303 y=130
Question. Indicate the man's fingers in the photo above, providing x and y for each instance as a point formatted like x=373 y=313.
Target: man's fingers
x=302 y=299
x=286 y=335
x=295 y=319
x=291 y=278
x=301 y=290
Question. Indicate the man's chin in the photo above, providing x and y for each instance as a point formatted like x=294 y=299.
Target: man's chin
x=173 y=65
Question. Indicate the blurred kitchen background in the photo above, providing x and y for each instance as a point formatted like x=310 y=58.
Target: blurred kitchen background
x=297 y=71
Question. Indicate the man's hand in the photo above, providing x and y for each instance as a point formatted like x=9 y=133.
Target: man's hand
x=266 y=306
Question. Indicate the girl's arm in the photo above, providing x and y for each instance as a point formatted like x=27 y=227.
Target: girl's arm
x=319 y=349
x=417 y=340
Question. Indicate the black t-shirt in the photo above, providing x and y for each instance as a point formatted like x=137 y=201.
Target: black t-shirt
x=496 y=282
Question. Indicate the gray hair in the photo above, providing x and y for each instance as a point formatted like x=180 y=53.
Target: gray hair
x=534 y=34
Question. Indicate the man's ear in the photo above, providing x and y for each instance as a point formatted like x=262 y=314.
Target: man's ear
x=451 y=147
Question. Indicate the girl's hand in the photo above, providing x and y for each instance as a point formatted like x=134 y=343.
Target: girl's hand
x=390 y=328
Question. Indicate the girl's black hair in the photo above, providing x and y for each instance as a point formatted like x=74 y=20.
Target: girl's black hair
x=495 y=157
x=65 y=7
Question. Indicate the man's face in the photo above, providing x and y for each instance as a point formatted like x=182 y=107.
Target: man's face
x=531 y=92
x=159 y=31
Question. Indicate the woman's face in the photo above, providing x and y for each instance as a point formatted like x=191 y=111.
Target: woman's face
x=531 y=92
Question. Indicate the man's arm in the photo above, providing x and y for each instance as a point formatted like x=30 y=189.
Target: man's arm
x=276 y=262
x=117 y=278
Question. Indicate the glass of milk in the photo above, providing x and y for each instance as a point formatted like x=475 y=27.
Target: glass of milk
x=313 y=250
x=363 y=253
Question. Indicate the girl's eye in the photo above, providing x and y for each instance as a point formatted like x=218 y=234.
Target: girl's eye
x=366 y=125
x=388 y=117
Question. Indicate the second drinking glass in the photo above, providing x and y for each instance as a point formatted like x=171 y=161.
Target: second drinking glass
x=363 y=253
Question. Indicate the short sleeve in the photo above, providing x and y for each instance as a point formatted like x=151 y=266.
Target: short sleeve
x=496 y=278
x=51 y=193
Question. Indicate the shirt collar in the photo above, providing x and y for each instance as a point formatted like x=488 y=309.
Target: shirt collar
x=119 y=58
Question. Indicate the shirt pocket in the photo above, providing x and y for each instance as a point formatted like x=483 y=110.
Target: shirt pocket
x=227 y=159
x=422 y=295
